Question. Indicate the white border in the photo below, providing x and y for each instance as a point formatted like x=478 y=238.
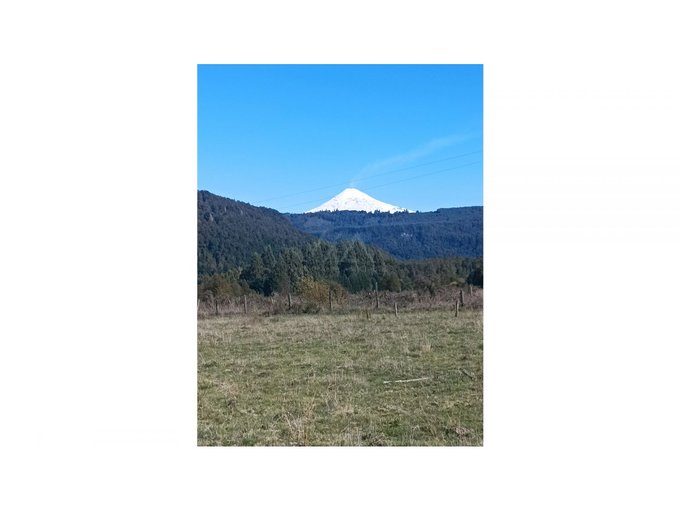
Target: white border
x=582 y=218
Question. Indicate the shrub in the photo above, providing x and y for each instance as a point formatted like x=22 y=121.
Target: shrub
x=315 y=293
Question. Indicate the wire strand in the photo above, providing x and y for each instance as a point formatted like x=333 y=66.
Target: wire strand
x=370 y=177
x=402 y=180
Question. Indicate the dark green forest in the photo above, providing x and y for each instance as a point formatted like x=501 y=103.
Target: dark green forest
x=452 y=232
x=229 y=232
x=244 y=249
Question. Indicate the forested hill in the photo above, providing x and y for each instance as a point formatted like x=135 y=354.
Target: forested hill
x=229 y=232
x=451 y=232
x=243 y=248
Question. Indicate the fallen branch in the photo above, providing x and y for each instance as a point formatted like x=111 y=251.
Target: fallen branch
x=407 y=380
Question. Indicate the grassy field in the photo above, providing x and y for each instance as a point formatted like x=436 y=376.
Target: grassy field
x=321 y=379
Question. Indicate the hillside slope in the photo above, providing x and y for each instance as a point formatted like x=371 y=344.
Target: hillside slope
x=456 y=232
x=230 y=231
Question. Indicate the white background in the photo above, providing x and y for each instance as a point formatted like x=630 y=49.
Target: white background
x=97 y=204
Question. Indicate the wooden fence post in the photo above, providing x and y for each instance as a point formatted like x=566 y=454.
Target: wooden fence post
x=289 y=305
x=456 y=308
x=462 y=299
x=395 y=310
x=376 y=296
x=245 y=304
x=216 y=310
x=330 y=300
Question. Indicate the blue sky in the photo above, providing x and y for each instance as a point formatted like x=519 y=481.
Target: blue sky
x=291 y=137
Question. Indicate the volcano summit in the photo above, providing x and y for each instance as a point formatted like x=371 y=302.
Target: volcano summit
x=351 y=199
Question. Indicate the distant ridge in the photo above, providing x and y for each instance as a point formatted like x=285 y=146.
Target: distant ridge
x=449 y=232
x=230 y=232
x=351 y=199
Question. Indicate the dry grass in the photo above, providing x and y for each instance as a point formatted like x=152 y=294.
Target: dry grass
x=361 y=302
x=319 y=379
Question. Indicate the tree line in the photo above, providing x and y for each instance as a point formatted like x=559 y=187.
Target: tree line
x=350 y=265
x=244 y=249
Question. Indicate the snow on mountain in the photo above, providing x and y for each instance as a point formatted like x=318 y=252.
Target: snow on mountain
x=351 y=199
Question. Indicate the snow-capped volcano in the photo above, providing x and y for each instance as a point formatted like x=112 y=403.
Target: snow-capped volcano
x=351 y=199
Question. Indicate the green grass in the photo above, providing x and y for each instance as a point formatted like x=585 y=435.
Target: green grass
x=319 y=379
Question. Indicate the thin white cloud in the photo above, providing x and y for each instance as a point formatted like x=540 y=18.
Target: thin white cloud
x=406 y=158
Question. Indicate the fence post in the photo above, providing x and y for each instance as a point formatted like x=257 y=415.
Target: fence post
x=456 y=308
x=462 y=299
x=395 y=310
x=289 y=305
x=376 y=295
x=245 y=304
x=330 y=300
